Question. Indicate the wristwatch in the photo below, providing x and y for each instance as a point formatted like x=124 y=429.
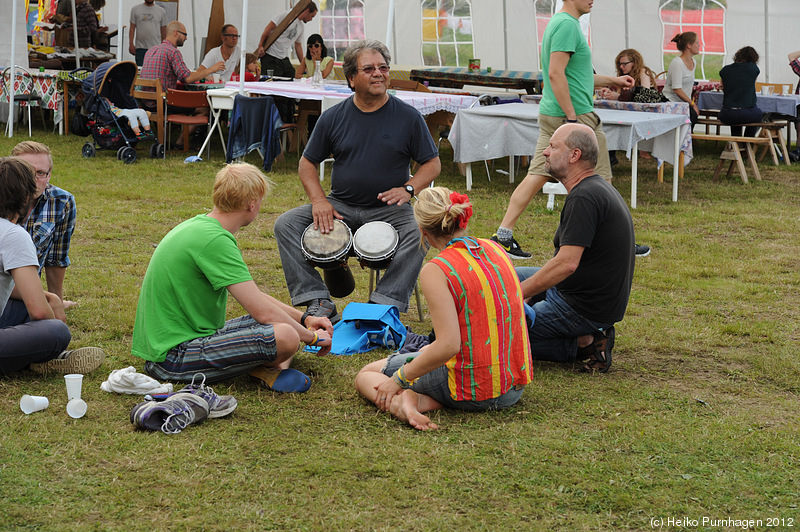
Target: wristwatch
x=409 y=189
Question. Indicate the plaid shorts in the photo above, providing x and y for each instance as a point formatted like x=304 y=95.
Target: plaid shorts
x=241 y=345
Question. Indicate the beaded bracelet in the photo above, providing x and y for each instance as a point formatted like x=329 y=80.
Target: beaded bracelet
x=399 y=377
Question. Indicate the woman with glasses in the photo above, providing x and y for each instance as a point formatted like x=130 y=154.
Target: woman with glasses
x=629 y=62
x=315 y=51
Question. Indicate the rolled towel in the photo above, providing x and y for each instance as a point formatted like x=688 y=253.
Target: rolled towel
x=127 y=380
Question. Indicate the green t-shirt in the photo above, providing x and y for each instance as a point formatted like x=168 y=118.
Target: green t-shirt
x=184 y=293
x=563 y=34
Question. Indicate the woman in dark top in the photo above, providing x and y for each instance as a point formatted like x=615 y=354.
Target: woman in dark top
x=739 y=83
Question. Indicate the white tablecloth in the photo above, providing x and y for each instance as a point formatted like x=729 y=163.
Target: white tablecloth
x=425 y=102
x=514 y=130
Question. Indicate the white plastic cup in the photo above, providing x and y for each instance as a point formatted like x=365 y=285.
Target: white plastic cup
x=76 y=408
x=215 y=77
x=33 y=403
x=270 y=72
x=766 y=90
x=74 y=383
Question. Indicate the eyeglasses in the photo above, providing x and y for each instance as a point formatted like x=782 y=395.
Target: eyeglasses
x=41 y=174
x=182 y=33
x=234 y=35
x=625 y=63
x=315 y=45
x=370 y=69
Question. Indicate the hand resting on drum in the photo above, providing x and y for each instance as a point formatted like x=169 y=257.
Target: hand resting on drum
x=324 y=214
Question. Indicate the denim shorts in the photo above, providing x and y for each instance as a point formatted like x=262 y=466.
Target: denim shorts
x=434 y=385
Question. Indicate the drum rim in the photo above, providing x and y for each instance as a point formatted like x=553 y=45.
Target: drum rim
x=376 y=258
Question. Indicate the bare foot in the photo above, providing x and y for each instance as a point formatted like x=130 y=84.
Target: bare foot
x=404 y=408
x=68 y=304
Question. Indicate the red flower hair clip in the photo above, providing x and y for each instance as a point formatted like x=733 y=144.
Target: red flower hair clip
x=464 y=217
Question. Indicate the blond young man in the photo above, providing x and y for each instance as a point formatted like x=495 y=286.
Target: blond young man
x=180 y=326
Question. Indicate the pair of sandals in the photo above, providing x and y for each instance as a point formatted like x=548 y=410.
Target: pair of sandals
x=597 y=355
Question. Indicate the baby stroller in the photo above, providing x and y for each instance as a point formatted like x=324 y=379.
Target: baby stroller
x=109 y=132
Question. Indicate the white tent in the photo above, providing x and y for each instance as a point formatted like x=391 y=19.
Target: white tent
x=504 y=31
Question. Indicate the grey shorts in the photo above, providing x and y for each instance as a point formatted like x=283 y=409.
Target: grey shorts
x=434 y=385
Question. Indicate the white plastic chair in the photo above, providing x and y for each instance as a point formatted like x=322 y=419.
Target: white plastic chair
x=327 y=103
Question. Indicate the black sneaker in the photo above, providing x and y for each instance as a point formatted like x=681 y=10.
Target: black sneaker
x=218 y=405
x=323 y=308
x=512 y=248
x=171 y=415
x=794 y=155
x=641 y=251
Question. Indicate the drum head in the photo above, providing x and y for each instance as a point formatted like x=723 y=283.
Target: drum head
x=375 y=241
x=328 y=247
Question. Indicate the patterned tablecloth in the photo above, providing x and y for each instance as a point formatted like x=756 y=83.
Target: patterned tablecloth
x=425 y=102
x=49 y=85
x=459 y=76
x=772 y=103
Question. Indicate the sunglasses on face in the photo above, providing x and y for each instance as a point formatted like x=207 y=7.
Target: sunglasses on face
x=369 y=69
x=315 y=45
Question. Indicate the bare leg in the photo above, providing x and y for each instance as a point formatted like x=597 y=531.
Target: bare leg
x=521 y=197
x=287 y=343
x=407 y=406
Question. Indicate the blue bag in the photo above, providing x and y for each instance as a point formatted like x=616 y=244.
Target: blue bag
x=364 y=327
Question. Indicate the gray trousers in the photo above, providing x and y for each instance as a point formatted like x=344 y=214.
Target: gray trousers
x=23 y=342
x=396 y=284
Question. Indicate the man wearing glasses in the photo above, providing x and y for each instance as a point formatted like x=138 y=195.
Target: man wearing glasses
x=228 y=52
x=148 y=28
x=374 y=137
x=165 y=62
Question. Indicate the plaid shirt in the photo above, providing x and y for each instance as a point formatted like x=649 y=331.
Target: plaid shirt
x=87 y=24
x=796 y=67
x=51 y=224
x=166 y=63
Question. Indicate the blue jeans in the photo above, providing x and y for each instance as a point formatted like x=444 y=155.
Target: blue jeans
x=395 y=285
x=434 y=385
x=23 y=342
x=554 y=334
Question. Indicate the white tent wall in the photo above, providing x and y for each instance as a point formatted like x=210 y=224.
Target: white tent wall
x=746 y=24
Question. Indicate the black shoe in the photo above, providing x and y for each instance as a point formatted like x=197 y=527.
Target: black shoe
x=641 y=251
x=323 y=308
x=597 y=355
x=512 y=248
x=794 y=156
x=612 y=158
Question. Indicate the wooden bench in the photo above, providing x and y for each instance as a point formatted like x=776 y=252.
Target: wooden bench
x=771 y=130
x=733 y=152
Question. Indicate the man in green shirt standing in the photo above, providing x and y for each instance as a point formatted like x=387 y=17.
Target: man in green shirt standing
x=180 y=326
x=568 y=96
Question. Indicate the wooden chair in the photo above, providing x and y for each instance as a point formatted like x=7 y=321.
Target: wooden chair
x=190 y=100
x=157 y=96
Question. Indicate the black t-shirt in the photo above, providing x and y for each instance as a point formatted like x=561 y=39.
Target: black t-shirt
x=596 y=218
x=372 y=151
x=739 y=84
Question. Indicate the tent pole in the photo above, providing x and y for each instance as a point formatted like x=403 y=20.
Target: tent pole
x=75 y=35
x=505 y=35
x=389 y=25
x=119 y=33
x=766 y=39
x=13 y=73
x=243 y=40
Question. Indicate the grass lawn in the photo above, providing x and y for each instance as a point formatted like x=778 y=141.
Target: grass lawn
x=697 y=418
